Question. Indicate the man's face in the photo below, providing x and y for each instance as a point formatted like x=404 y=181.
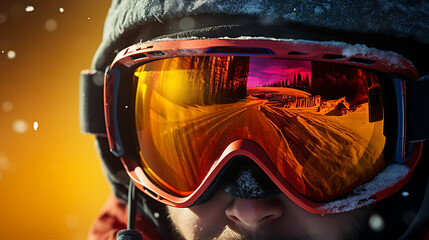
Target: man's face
x=226 y=217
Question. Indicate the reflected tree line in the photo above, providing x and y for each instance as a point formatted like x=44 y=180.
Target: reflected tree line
x=220 y=79
x=298 y=82
x=224 y=79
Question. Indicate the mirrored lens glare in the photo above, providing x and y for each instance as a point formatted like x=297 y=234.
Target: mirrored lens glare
x=314 y=120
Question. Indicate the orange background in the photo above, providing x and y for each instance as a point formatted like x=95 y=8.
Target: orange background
x=51 y=182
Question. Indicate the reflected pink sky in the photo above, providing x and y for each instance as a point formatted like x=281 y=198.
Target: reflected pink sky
x=263 y=71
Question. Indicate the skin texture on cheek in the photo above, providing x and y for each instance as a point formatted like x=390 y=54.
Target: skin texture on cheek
x=225 y=217
x=197 y=221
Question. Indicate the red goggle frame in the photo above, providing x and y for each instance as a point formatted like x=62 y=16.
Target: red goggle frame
x=121 y=131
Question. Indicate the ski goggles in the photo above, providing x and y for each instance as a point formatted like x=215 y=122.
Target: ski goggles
x=325 y=121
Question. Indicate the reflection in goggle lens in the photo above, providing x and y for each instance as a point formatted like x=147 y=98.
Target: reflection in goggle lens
x=321 y=124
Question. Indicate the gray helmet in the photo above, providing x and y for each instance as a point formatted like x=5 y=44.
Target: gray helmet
x=131 y=20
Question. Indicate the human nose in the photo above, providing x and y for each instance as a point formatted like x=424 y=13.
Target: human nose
x=254 y=212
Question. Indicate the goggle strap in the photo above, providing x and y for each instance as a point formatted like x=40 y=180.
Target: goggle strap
x=417 y=100
x=91 y=102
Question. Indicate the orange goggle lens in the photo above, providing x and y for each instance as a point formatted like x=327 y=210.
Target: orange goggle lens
x=321 y=124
